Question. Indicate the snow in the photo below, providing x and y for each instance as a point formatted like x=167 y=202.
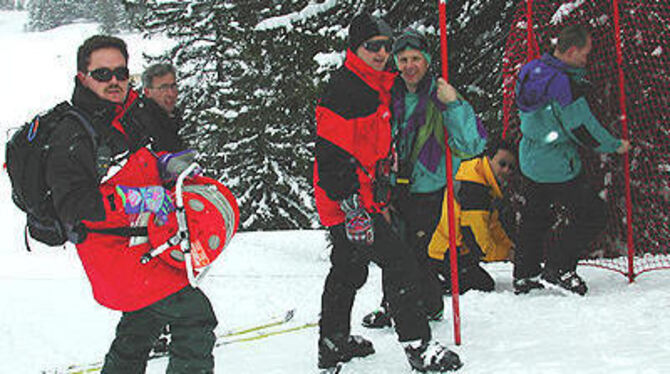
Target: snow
x=49 y=319
x=287 y=21
x=564 y=10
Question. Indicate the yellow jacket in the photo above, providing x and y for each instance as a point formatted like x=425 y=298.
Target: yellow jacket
x=477 y=224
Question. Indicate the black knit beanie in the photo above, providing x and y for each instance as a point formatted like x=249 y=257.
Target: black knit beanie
x=365 y=26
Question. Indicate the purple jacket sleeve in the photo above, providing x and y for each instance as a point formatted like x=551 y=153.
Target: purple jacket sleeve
x=559 y=89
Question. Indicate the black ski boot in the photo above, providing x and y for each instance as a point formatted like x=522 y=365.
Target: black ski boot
x=525 y=285
x=431 y=356
x=333 y=350
x=565 y=280
x=378 y=319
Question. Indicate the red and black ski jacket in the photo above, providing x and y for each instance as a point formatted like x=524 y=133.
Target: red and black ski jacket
x=83 y=198
x=353 y=133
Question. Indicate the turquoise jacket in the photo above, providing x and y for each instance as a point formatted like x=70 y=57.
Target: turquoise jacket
x=419 y=123
x=555 y=121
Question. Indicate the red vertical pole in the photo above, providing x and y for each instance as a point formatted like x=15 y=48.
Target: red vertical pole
x=624 y=134
x=453 y=257
x=532 y=52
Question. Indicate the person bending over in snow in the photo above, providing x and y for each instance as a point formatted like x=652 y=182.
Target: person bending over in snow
x=479 y=233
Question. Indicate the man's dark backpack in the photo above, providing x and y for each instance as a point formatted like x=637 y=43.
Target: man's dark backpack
x=26 y=154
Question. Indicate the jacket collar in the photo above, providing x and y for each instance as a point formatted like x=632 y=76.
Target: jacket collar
x=554 y=62
x=92 y=104
x=380 y=81
x=479 y=170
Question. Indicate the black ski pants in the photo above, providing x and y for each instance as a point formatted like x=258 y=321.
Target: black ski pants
x=192 y=322
x=586 y=215
x=418 y=215
x=349 y=271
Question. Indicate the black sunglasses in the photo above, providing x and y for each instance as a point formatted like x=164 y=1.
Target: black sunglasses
x=376 y=45
x=106 y=74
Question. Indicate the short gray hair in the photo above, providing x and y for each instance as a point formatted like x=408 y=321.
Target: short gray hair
x=157 y=70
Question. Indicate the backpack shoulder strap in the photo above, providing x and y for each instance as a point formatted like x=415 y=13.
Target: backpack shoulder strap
x=102 y=153
x=86 y=124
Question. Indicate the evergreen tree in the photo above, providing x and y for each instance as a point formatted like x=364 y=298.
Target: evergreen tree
x=47 y=14
x=111 y=14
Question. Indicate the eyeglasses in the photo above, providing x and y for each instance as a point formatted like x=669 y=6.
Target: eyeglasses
x=409 y=41
x=166 y=87
x=376 y=45
x=106 y=74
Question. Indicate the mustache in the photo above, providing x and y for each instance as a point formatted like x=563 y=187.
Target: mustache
x=113 y=87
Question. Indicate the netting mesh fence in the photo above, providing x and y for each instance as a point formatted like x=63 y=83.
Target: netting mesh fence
x=645 y=50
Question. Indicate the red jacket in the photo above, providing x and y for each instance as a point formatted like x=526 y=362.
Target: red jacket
x=82 y=196
x=354 y=132
x=118 y=279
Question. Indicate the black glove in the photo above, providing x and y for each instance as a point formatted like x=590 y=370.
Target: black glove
x=357 y=222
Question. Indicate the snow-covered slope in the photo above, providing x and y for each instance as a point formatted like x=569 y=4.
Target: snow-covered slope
x=48 y=318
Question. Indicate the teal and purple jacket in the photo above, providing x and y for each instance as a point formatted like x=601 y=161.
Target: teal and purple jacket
x=419 y=123
x=555 y=120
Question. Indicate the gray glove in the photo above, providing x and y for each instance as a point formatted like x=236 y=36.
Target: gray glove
x=357 y=222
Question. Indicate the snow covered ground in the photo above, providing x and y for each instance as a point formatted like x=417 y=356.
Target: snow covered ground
x=48 y=318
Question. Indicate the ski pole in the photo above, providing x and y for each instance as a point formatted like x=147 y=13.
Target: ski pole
x=450 y=187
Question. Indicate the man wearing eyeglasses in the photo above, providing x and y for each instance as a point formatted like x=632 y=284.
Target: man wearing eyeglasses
x=100 y=186
x=160 y=115
x=160 y=85
x=424 y=108
x=353 y=143
x=480 y=235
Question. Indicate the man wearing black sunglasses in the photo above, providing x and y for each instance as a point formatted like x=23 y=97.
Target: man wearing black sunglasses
x=353 y=142
x=480 y=234
x=90 y=179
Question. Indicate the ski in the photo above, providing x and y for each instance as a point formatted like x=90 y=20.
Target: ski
x=263 y=334
x=95 y=367
x=275 y=321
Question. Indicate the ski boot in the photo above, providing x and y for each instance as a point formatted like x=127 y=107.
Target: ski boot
x=525 y=285
x=378 y=319
x=334 y=351
x=431 y=356
x=566 y=280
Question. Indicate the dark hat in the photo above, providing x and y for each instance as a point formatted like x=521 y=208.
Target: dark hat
x=365 y=26
x=412 y=39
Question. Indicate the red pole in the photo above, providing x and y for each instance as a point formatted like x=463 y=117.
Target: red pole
x=531 y=53
x=450 y=188
x=624 y=134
